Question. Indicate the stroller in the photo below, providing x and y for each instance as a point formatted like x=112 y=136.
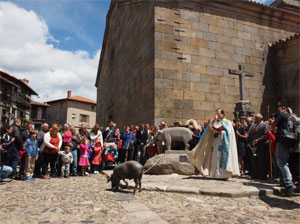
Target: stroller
x=110 y=155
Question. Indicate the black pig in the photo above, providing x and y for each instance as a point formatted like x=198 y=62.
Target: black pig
x=128 y=170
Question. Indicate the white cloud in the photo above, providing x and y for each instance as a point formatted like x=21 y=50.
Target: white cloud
x=26 y=52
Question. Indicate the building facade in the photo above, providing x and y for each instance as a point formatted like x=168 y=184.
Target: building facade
x=75 y=110
x=38 y=113
x=15 y=97
x=170 y=60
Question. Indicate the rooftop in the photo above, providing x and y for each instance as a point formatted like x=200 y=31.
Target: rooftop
x=75 y=98
x=281 y=41
x=39 y=104
x=13 y=80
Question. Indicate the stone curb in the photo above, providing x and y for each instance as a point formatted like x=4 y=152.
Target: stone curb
x=195 y=190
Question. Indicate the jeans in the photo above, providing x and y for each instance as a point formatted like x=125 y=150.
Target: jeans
x=74 y=164
x=282 y=154
x=12 y=159
x=141 y=154
x=5 y=171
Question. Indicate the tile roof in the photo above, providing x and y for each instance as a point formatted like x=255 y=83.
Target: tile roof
x=18 y=81
x=39 y=104
x=83 y=99
x=8 y=81
x=76 y=98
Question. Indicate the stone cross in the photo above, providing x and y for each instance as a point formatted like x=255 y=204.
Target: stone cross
x=242 y=73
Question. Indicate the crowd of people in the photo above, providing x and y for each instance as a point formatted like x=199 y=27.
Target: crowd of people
x=270 y=148
x=27 y=154
x=262 y=151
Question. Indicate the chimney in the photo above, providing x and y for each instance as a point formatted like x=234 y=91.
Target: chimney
x=25 y=81
x=69 y=93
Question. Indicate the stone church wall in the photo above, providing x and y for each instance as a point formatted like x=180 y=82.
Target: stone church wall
x=169 y=60
x=196 y=44
x=125 y=92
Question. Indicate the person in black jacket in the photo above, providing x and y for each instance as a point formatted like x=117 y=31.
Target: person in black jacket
x=283 y=150
x=260 y=130
x=17 y=134
x=7 y=151
x=19 y=143
x=142 y=137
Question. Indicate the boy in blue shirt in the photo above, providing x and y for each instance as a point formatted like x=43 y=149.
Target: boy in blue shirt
x=32 y=153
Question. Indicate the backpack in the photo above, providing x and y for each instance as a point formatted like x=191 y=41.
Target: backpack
x=289 y=135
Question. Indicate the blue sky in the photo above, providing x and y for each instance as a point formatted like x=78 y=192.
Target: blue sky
x=76 y=24
x=55 y=44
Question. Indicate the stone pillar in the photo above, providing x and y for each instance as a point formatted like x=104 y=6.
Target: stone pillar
x=243 y=108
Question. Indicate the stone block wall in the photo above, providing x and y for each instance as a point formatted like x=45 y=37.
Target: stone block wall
x=284 y=66
x=125 y=91
x=195 y=46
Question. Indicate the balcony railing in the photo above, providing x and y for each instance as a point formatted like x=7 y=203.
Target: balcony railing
x=23 y=100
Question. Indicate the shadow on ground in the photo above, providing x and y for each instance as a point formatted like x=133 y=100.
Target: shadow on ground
x=280 y=202
x=272 y=201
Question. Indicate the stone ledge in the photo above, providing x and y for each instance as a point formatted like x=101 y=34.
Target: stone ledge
x=234 y=188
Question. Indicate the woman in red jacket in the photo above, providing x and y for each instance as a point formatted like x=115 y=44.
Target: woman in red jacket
x=50 y=148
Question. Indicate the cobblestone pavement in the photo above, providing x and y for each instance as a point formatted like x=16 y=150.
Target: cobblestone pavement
x=89 y=200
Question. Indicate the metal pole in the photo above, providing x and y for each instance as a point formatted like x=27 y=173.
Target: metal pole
x=270 y=150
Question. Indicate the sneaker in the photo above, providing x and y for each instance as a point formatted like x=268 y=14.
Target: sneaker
x=46 y=177
x=6 y=180
x=289 y=191
x=61 y=177
x=96 y=172
x=86 y=173
x=66 y=176
x=29 y=178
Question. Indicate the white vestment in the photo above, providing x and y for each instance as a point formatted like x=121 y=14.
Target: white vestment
x=216 y=156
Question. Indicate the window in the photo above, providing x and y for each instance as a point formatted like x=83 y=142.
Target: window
x=84 y=118
x=92 y=107
x=73 y=116
x=34 y=112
